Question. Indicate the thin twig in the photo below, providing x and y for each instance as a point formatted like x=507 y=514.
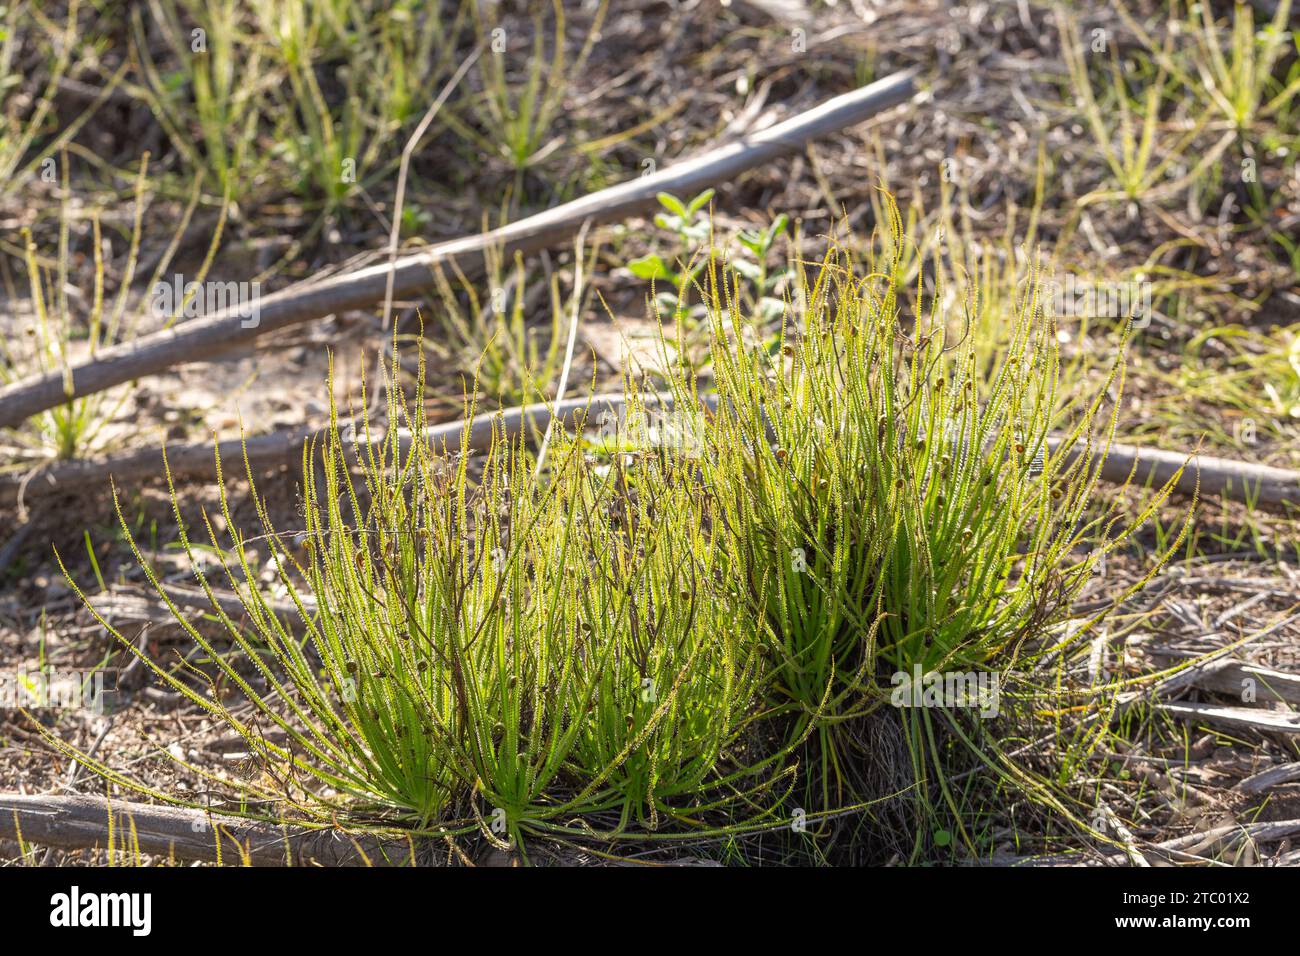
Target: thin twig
x=573 y=337
x=407 y=151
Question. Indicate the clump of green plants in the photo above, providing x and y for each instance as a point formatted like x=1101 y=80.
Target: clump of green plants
x=514 y=117
x=676 y=286
x=1229 y=71
x=1125 y=116
x=1253 y=376
x=476 y=649
x=65 y=328
x=698 y=635
x=764 y=281
x=514 y=360
x=24 y=143
x=309 y=98
x=689 y=223
x=891 y=505
x=209 y=103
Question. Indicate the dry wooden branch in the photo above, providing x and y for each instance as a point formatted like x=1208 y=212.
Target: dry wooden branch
x=1182 y=849
x=1227 y=676
x=276 y=449
x=791 y=12
x=1271 y=489
x=125 y=603
x=1268 y=488
x=1242 y=718
x=82 y=822
x=1266 y=780
x=210 y=336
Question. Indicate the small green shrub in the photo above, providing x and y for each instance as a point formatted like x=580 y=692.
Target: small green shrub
x=889 y=505
x=639 y=648
x=61 y=334
x=469 y=645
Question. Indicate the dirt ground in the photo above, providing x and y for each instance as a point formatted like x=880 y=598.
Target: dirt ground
x=996 y=110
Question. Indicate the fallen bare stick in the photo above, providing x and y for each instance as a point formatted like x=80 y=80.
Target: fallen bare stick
x=121 y=602
x=1268 y=779
x=275 y=449
x=1228 y=676
x=1268 y=488
x=793 y=12
x=1181 y=849
x=213 y=335
x=1125 y=836
x=1244 y=718
x=1228 y=838
x=82 y=822
x=1271 y=489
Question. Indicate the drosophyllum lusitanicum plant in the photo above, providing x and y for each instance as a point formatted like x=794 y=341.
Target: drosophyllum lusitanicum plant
x=886 y=507
x=62 y=330
x=476 y=645
x=689 y=639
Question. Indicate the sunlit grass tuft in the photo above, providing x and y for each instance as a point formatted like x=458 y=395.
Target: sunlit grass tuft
x=642 y=645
